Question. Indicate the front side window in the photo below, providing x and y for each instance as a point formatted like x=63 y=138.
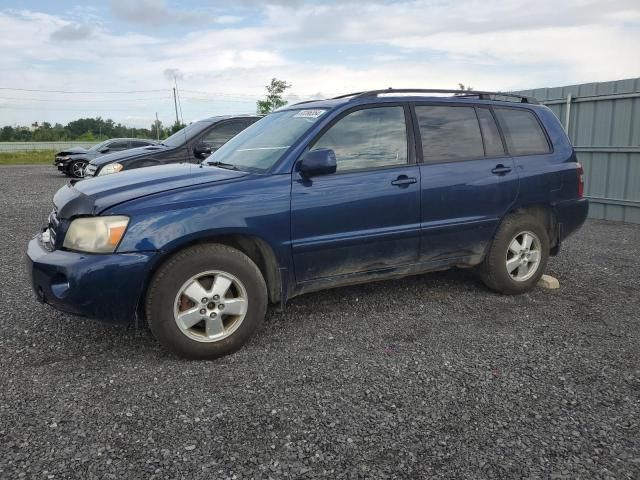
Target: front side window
x=182 y=136
x=221 y=134
x=119 y=145
x=449 y=133
x=369 y=138
x=522 y=132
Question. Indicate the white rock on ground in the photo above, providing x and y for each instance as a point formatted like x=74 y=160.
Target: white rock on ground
x=547 y=281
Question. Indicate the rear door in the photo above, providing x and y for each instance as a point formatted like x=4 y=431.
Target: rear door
x=364 y=217
x=468 y=181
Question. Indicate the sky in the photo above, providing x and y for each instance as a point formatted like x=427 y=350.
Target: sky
x=221 y=54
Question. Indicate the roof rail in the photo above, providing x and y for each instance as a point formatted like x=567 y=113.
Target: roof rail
x=482 y=95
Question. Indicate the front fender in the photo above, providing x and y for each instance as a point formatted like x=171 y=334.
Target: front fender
x=257 y=207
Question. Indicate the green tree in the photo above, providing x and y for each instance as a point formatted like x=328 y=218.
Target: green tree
x=157 y=129
x=176 y=127
x=87 y=136
x=274 y=100
x=6 y=134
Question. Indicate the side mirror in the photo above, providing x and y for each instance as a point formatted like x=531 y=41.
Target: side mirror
x=201 y=150
x=318 y=162
x=104 y=150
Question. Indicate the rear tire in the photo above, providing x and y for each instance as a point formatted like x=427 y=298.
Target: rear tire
x=206 y=301
x=517 y=256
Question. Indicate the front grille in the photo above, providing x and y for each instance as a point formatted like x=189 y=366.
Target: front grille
x=90 y=170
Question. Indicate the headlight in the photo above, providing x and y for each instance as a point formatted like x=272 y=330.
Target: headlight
x=96 y=234
x=110 y=168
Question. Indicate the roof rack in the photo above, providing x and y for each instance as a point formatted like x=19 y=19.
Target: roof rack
x=458 y=93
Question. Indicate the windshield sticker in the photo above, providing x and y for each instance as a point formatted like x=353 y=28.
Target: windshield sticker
x=309 y=113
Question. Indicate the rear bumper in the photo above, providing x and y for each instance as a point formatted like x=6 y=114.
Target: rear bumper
x=570 y=215
x=104 y=287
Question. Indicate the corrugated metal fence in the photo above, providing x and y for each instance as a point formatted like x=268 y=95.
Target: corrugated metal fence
x=603 y=123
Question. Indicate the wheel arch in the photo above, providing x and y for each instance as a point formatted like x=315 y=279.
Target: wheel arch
x=257 y=249
x=547 y=216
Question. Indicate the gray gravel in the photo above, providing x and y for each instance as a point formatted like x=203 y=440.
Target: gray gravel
x=429 y=376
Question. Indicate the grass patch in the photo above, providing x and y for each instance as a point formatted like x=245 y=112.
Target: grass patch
x=36 y=157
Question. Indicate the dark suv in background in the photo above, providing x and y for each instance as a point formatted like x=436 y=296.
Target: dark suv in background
x=192 y=144
x=73 y=161
x=363 y=187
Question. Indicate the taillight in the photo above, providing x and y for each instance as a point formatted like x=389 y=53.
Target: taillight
x=580 y=181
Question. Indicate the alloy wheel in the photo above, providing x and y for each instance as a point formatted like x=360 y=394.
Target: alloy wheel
x=210 y=306
x=523 y=256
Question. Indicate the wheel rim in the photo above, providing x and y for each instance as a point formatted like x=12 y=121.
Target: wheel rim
x=523 y=256
x=78 y=169
x=210 y=306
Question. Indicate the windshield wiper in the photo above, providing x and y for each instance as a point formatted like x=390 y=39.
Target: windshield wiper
x=228 y=166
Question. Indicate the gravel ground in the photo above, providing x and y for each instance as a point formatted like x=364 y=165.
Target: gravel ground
x=429 y=376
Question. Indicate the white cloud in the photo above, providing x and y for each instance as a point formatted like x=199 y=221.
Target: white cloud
x=414 y=43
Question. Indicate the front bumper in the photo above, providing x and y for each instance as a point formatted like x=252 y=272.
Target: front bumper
x=105 y=287
x=62 y=164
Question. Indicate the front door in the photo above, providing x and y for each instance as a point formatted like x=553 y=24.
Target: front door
x=365 y=217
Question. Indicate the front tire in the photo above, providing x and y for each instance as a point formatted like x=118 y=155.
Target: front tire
x=206 y=301
x=517 y=256
x=76 y=168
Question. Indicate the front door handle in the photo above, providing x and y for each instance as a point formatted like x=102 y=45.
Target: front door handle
x=500 y=169
x=404 y=181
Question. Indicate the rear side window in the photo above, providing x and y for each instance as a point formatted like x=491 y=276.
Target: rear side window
x=369 y=138
x=492 y=142
x=449 y=133
x=136 y=144
x=522 y=132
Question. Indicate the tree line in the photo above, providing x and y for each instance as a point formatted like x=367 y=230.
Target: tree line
x=83 y=129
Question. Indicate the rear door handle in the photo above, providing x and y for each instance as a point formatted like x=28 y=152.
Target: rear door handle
x=500 y=169
x=404 y=181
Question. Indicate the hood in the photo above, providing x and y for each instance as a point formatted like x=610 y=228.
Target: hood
x=94 y=195
x=128 y=154
x=72 y=151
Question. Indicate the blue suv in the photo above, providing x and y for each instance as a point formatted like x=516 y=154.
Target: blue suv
x=320 y=194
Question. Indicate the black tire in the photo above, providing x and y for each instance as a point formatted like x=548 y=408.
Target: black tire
x=171 y=276
x=493 y=270
x=75 y=167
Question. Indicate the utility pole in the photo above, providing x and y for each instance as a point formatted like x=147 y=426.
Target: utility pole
x=175 y=104
x=157 y=128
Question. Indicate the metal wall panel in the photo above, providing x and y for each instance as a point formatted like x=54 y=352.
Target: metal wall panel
x=604 y=126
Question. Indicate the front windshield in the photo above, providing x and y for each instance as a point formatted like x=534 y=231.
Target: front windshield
x=99 y=146
x=181 y=136
x=261 y=145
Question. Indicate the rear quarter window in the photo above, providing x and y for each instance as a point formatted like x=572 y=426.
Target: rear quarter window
x=522 y=132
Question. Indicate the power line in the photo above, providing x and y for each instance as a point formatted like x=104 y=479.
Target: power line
x=81 y=92
x=29 y=99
